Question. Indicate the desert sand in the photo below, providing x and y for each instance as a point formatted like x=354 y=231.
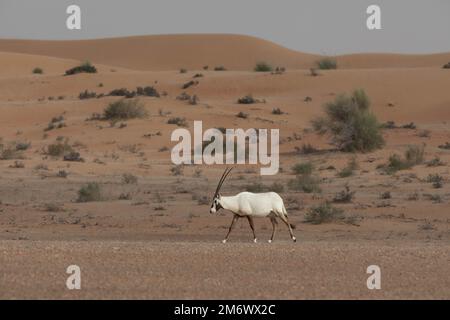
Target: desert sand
x=154 y=237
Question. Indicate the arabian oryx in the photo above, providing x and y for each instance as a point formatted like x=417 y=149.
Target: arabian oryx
x=250 y=205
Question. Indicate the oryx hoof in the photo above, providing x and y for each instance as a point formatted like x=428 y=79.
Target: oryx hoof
x=269 y=241
x=294 y=239
x=224 y=241
x=255 y=240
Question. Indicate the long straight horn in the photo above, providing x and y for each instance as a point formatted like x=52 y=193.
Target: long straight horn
x=222 y=179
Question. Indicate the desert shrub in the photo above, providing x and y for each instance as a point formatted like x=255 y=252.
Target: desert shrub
x=385 y=195
x=38 y=70
x=59 y=149
x=177 y=170
x=303 y=168
x=327 y=63
x=147 y=91
x=183 y=70
x=10 y=152
x=446 y=66
x=122 y=92
x=277 y=111
x=129 y=178
x=89 y=192
x=73 y=156
x=344 y=196
x=263 y=67
x=323 y=213
x=17 y=165
x=242 y=115
x=22 y=146
x=414 y=155
x=410 y=125
x=435 y=162
x=193 y=101
x=248 y=99
x=307 y=149
x=181 y=122
x=219 y=68
x=183 y=97
x=349 y=169
x=124 y=109
x=305 y=183
x=87 y=95
x=436 y=179
x=350 y=123
x=276 y=187
x=85 y=67
x=445 y=146
x=189 y=84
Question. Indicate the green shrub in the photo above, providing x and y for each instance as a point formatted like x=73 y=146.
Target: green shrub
x=350 y=123
x=323 y=213
x=305 y=183
x=414 y=155
x=181 y=122
x=90 y=192
x=59 y=149
x=86 y=67
x=38 y=70
x=263 y=67
x=124 y=109
x=348 y=170
x=303 y=168
x=327 y=63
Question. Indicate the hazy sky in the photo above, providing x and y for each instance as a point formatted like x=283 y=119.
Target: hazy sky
x=319 y=26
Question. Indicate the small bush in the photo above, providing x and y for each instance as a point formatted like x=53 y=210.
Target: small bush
x=307 y=149
x=124 y=109
x=183 y=70
x=348 y=170
x=73 y=156
x=414 y=155
x=247 y=100
x=38 y=70
x=59 y=149
x=129 y=178
x=303 y=168
x=263 y=67
x=323 y=213
x=90 y=192
x=436 y=179
x=86 y=67
x=445 y=146
x=435 y=162
x=385 y=195
x=87 y=95
x=305 y=183
x=242 y=115
x=181 y=122
x=219 y=68
x=350 y=123
x=344 y=196
x=446 y=66
x=277 y=111
x=327 y=63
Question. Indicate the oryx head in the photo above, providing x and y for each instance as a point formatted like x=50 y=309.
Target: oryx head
x=216 y=206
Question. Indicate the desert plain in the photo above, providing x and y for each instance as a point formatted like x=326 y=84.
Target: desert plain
x=149 y=233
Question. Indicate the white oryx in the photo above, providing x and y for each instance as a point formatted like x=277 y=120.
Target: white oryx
x=250 y=205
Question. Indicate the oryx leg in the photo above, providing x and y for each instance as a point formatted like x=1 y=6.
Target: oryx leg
x=274 y=227
x=286 y=221
x=235 y=218
x=250 y=221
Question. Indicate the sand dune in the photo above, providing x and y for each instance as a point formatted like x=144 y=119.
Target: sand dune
x=171 y=52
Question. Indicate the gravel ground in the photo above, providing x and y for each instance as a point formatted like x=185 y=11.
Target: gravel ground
x=210 y=270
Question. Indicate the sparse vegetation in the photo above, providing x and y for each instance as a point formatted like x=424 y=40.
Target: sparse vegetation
x=277 y=111
x=349 y=169
x=59 y=149
x=327 y=63
x=38 y=70
x=85 y=67
x=242 y=115
x=181 y=122
x=248 y=99
x=219 y=68
x=128 y=178
x=263 y=67
x=87 y=95
x=124 y=109
x=344 y=196
x=414 y=155
x=350 y=123
x=324 y=213
x=305 y=183
x=90 y=192
x=303 y=168
x=436 y=179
